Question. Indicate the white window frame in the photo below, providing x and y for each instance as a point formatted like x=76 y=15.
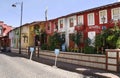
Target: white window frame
x=118 y=15
x=71 y=20
x=61 y=23
x=93 y=20
x=80 y=20
x=104 y=14
x=0 y=30
x=91 y=36
x=49 y=24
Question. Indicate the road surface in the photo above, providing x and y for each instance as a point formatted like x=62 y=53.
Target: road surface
x=20 y=67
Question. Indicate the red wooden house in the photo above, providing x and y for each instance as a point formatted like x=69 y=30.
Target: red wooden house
x=51 y=27
x=90 y=22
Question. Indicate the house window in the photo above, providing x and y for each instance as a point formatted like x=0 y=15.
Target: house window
x=103 y=16
x=116 y=13
x=36 y=29
x=56 y=25
x=71 y=22
x=48 y=26
x=80 y=20
x=61 y=23
x=91 y=19
x=0 y=30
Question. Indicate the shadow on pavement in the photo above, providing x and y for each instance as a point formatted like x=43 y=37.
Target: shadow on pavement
x=87 y=71
x=11 y=54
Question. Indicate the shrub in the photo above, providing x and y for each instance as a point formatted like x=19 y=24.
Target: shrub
x=51 y=47
x=44 y=47
x=89 y=50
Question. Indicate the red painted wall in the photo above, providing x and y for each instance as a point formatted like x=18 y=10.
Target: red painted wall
x=96 y=17
x=97 y=27
x=52 y=26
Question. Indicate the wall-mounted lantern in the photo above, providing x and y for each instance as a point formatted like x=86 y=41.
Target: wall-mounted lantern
x=103 y=20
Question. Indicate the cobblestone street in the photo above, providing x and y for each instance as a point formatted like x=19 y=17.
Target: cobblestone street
x=19 y=67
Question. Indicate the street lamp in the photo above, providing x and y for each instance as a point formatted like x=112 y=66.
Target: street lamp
x=103 y=20
x=14 y=5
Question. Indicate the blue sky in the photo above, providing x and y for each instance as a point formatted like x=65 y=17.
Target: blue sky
x=34 y=10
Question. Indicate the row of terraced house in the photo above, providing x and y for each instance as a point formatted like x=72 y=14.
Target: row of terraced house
x=89 y=22
x=4 y=30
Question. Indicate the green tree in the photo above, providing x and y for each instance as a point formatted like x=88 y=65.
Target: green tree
x=76 y=38
x=113 y=39
x=55 y=41
x=98 y=41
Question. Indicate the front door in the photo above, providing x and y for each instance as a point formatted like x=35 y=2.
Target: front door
x=91 y=36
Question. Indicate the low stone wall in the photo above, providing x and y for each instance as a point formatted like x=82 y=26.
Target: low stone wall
x=23 y=51
x=110 y=61
x=91 y=60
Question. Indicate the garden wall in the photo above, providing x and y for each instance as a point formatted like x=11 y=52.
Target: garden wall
x=110 y=61
x=96 y=61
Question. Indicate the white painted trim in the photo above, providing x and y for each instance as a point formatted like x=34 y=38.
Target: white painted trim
x=112 y=13
x=102 y=16
x=80 y=18
x=93 y=19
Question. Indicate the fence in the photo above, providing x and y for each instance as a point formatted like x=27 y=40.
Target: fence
x=110 y=61
x=113 y=59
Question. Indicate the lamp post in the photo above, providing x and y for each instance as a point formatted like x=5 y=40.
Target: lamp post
x=14 y=5
x=103 y=21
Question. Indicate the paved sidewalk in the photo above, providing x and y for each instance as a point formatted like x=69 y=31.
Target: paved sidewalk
x=96 y=73
x=19 y=67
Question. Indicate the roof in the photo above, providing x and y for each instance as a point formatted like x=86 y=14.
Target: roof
x=92 y=9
